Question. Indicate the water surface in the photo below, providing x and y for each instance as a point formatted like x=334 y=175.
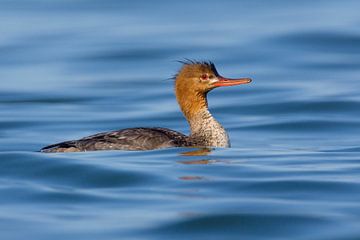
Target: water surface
x=73 y=68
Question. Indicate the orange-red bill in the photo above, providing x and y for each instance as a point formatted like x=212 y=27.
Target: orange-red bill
x=222 y=82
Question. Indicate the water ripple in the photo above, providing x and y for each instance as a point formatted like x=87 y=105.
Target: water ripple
x=246 y=225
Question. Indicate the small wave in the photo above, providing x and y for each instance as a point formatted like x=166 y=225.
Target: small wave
x=306 y=126
x=243 y=224
x=321 y=41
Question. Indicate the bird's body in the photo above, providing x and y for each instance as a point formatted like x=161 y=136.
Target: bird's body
x=192 y=84
x=125 y=139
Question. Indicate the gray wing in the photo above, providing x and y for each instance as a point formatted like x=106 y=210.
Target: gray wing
x=126 y=139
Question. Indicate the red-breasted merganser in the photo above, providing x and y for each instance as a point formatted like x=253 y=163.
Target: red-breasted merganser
x=192 y=83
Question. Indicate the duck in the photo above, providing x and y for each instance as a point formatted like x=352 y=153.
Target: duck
x=193 y=82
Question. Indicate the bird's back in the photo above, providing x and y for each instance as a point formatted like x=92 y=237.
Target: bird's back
x=125 y=139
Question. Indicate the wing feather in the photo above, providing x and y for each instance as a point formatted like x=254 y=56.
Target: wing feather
x=125 y=139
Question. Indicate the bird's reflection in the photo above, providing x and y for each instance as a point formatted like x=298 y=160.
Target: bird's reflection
x=201 y=161
x=191 y=178
x=196 y=152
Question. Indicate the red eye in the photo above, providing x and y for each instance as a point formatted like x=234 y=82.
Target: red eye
x=204 y=77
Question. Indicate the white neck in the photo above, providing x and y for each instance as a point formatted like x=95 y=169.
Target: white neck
x=207 y=131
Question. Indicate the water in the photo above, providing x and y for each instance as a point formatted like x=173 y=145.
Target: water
x=73 y=68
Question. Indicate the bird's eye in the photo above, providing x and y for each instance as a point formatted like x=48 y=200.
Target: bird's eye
x=204 y=77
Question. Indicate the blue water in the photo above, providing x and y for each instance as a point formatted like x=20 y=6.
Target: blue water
x=74 y=68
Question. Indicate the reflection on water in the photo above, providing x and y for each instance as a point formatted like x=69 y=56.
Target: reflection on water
x=191 y=178
x=197 y=152
x=202 y=161
x=71 y=69
x=200 y=152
